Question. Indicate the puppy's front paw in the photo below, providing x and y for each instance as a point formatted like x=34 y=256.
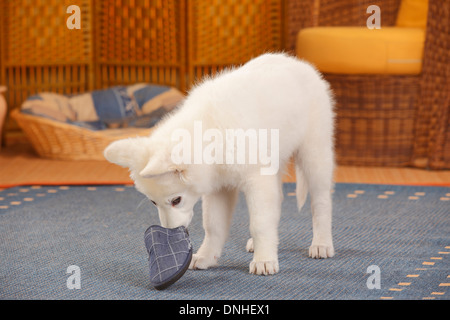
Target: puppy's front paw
x=202 y=262
x=321 y=251
x=264 y=267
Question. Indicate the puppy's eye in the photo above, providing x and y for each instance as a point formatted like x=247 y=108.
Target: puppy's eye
x=176 y=201
x=153 y=202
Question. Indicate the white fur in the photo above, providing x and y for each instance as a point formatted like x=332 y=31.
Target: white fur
x=270 y=91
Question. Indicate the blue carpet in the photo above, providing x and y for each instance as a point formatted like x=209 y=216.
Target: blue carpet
x=403 y=230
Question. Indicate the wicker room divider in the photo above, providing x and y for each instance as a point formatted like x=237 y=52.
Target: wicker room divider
x=128 y=41
x=39 y=53
x=140 y=41
x=227 y=32
x=381 y=120
x=120 y=42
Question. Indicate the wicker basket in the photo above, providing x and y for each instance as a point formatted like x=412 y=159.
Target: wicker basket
x=58 y=140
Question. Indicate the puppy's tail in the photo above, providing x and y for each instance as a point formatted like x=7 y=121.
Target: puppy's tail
x=302 y=185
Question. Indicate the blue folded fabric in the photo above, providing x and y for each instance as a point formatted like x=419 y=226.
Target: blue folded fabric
x=114 y=104
x=139 y=105
x=170 y=253
x=148 y=92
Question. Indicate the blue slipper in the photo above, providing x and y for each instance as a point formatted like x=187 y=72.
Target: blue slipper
x=170 y=253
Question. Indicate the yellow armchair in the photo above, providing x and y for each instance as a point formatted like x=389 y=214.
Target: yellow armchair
x=391 y=84
x=359 y=50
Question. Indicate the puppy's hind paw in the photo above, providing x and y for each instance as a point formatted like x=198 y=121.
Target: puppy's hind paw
x=249 y=246
x=321 y=252
x=264 y=267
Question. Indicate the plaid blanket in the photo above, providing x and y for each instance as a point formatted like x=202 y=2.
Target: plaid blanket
x=140 y=105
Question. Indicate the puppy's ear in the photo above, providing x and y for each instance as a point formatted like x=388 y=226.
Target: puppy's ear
x=158 y=166
x=125 y=152
x=154 y=167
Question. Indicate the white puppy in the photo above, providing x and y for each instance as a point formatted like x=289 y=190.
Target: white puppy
x=273 y=94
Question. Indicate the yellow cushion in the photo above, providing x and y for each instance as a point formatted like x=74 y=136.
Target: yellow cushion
x=413 y=14
x=359 y=50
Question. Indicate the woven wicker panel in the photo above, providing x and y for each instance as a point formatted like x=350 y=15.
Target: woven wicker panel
x=140 y=41
x=40 y=53
x=298 y=14
x=28 y=80
x=301 y=14
x=374 y=118
x=353 y=12
x=440 y=154
x=35 y=32
x=225 y=32
x=432 y=140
